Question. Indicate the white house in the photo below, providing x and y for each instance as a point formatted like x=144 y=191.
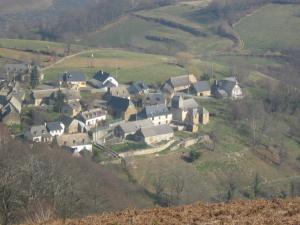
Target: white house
x=38 y=134
x=227 y=88
x=105 y=79
x=55 y=128
x=92 y=117
x=158 y=114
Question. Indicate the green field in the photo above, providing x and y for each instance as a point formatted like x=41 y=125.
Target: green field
x=133 y=32
x=127 y=66
x=274 y=27
x=34 y=45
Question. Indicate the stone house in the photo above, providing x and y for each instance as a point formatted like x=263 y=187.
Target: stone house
x=179 y=84
x=158 y=114
x=121 y=108
x=75 y=80
x=154 y=134
x=72 y=108
x=10 y=113
x=39 y=134
x=138 y=88
x=227 y=88
x=126 y=129
x=188 y=112
x=201 y=88
x=55 y=128
x=75 y=143
x=93 y=117
x=73 y=126
x=120 y=91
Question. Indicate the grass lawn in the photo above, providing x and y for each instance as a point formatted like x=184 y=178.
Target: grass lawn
x=275 y=27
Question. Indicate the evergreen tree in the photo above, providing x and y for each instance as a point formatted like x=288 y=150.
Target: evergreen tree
x=35 y=77
x=60 y=99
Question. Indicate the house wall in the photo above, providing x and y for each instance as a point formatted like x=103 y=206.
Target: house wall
x=204 y=118
x=236 y=92
x=129 y=112
x=112 y=80
x=93 y=122
x=204 y=93
x=163 y=119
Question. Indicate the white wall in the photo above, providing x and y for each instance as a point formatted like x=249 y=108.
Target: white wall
x=161 y=120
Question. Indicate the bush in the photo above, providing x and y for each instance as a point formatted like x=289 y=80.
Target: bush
x=192 y=156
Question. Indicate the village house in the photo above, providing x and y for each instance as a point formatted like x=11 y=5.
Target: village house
x=158 y=114
x=75 y=80
x=93 y=117
x=75 y=143
x=138 y=88
x=201 y=88
x=188 y=112
x=120 y=91
x=154 y=134
x=73 y=126
x=126 y=129
x=40 y=97
x=11 y=112
x=55 y=128
x=227 y=88
x=103 y=80
x=121 y=108
x=69 y=94
x=71 y=108
x=153 y=99
x=39 y=134
x=18 y=68
x=179 y=84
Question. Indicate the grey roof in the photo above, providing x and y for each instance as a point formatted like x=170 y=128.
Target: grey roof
x=72 y=140
x=227 y=84
x=183 y=80
x=40 y=94
x=138 y=86
x=101 y=76
x=73 y=76
x=18 y=67
x=93 y=113
x=190 y=103
x=75 y=105
x=155 y=110
x=39 y=131
x=133 y=126
x=120 y=91
x=154 y=98
x=119 y=103
x=156 y=130
x=54 y=126
x=201 y=86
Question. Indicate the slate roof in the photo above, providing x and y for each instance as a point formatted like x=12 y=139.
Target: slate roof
x=156 y=130
x=39 y=131
x=54 y=126
x=73 y=76
x=93 y=113
x=201 y=86
x=190 y=103
x=183 y=80
x=133 y=126
x=138 y=87
x=119 y=103
x=155 y=110
x=120 y=91
x=101 y=76
x=74 y=105
x=154 y=98
x=227 y=84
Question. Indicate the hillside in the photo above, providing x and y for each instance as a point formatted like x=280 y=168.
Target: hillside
x=259 y=212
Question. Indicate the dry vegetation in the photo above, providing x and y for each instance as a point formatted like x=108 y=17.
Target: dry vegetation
x=239 y=212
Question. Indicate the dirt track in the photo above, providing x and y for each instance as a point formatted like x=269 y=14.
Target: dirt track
x=240 y=212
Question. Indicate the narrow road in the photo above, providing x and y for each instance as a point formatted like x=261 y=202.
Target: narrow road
x=67 y=57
